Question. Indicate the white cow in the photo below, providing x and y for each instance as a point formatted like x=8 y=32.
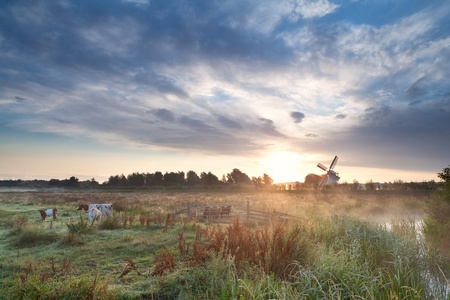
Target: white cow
x=104 y=208
x=49 y=212
x=94 y=214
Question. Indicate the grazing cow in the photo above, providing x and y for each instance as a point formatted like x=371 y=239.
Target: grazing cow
x=193 y=213
x=83 y=207
x=214 y=212
x=104 y=208
x=225 y=211
x=206 y=212
x=49 y=212
x=94 y=214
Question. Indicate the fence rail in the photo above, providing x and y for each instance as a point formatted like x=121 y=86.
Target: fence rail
x=243 y=212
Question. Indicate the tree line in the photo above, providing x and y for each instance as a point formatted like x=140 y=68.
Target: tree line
x=136 y=179
x=235 y=177
x=190 y=178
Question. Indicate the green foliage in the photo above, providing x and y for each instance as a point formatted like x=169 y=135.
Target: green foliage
x=445 y=175
x=81 y=228
x=25 y=235
x=367 y=242
x=110 y=223
x=35 y=286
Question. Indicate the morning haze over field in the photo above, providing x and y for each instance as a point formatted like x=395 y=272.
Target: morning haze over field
x=98 y=88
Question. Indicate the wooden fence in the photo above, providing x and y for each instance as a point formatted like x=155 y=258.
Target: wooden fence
x=240 y=211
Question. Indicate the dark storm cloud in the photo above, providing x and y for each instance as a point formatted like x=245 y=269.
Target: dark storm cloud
x=224 y=121
x=164 y=114
x=162 y=85
x=19 y=99
x=376 y=115
x=195 y=124
x=297 y=116
x=417 y=89
x=400 y=138
x=268 y=127
x=340 y=116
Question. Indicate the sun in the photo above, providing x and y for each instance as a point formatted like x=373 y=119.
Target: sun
x=283 y=166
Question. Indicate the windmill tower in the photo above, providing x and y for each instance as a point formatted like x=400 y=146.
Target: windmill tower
x=331 y=177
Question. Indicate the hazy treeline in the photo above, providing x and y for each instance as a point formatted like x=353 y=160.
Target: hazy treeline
x=396 y=185
x=192 y=179
x=155 y=179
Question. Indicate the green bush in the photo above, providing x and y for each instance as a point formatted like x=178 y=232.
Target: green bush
x=29 y=236
x=110 y=223
x=33 y=286
x=80 y=228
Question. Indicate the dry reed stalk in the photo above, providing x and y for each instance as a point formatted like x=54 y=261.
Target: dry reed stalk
x=182 y=244
x=131 y=266
x=164 y=261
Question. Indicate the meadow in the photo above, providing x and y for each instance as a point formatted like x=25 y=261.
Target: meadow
x=344 y=245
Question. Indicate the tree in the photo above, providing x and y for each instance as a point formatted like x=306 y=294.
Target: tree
x=257 y=182
x=267 y=180
x=73 y=182
x=370 y=185
x=209 y=178
x=313 y=179
x=445 y=175
x=174 y=178
x=192 y=178
x=236 y=176
x=136 y=179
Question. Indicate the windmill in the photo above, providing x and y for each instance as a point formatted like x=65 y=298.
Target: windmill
x=331 y=177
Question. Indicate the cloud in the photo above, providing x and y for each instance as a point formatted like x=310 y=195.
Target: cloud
x=418 y=88
x=229 y=123
x=200 y=76
x=297 y=116
x=164 y=114
x=314 y=8
x=268 y=128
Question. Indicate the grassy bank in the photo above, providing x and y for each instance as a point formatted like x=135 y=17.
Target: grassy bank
x=329 y=255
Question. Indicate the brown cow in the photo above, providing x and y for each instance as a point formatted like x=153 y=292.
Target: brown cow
x=207 y=212
x=225 y=211
x=49 y=212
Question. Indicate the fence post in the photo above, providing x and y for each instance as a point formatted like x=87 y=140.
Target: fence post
x=248 y=211
x=189 y=211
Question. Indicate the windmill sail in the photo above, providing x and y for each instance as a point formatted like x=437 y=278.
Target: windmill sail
x=331 y=177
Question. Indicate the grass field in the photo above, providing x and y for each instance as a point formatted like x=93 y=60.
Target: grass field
x=341 y=249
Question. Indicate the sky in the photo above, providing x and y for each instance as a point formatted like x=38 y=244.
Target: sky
x=98 y=88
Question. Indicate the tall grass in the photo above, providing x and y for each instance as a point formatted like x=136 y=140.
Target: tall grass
x=32 y=285
x=332 y=257
x=346 y=258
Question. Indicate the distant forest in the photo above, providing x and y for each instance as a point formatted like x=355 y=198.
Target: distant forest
x=192 y=179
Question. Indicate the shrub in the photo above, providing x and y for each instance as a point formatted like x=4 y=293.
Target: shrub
x=80 y=228
x=110 y=223
x=29 y=236
x=35 y=286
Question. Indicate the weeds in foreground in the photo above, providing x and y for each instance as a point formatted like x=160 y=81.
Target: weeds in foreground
x=80 y=228
x=32 y=235
x=111 y=223
x=131 y=266
x=164 y=262
x=56 y=284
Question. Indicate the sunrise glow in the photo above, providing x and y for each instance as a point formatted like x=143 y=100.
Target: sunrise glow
x=284 y=166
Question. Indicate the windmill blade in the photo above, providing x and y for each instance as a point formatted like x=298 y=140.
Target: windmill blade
x=325 y=178
x=322 y=167
x=333 y=164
